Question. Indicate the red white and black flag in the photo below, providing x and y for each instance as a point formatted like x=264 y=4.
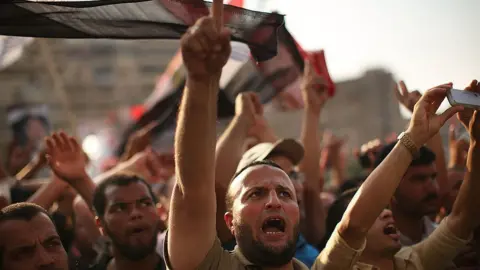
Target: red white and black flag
x=134 y=19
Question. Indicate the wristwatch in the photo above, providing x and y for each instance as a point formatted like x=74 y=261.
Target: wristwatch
x=406 y=140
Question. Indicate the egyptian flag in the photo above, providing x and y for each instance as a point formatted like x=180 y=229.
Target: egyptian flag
x=134 y=19
x=284 y=71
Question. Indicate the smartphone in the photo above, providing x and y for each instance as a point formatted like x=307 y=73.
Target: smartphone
x=464 y=98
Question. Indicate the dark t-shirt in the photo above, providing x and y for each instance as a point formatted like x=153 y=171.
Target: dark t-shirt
x=105 y=258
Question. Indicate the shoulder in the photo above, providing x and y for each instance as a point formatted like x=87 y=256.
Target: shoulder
x=216 y=258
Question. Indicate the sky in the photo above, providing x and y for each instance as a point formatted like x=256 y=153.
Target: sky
x=425 y=43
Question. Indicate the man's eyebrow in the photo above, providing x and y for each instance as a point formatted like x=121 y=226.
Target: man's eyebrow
x=145 y=198
x=23 y=248
x=52 y=238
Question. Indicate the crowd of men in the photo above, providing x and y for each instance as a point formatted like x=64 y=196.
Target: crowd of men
x=225 y=203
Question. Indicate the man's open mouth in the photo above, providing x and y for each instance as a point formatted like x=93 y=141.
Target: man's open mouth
x=273 y=225
x=137 y=230
x=390 y=229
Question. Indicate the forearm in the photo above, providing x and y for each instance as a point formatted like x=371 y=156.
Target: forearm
x=315 y=216
x=85 y=188
x=435 y=144
x=229 y=152
x=48 y=194
x=337 y=173
x=310 y=140
x=195 y=136
x=466 y=210
x=368 y=202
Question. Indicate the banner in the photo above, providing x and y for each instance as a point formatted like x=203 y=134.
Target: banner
x=134 y=19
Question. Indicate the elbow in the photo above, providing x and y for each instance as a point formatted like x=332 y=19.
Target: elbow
x=352 y=228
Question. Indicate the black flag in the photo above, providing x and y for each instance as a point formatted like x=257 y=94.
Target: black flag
x=134 y=19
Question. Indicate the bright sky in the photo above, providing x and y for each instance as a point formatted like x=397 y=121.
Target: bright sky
x=425 y=42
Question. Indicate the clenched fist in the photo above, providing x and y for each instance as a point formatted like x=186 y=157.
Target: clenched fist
x=205 y=49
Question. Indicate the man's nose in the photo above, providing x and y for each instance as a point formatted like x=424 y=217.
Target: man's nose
x=136 y=213
x=44 y=258
x=273 y=201
x=432 y=186
x=386 y=214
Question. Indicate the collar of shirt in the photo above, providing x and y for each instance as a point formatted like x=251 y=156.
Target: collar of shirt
x=428 y=225
x=297 y=265
x=399 y=263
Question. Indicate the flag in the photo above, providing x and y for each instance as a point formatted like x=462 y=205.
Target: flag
x=240 y=74
x=134 y=19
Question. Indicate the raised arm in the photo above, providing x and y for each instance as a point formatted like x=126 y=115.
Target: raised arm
x=408 y=100
x=376 y=192
x=466 y=210
x=229 y=151
x=205 y=50
x=441 y=247
x=49 y=193
x=67 y=161
x=314 y=91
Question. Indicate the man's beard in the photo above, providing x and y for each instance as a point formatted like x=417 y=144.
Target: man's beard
x=133 y=253
x=259 y=254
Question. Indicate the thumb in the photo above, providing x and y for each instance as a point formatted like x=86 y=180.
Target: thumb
x=449 y=113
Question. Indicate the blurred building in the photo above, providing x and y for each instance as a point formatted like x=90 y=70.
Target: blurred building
x=363 y=109
x=103 y=75
x=98 y=76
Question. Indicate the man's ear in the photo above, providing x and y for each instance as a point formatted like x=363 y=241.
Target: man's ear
x=99 y=224
x=228 y=217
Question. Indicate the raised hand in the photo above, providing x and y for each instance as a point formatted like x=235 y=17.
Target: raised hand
x=425 y=123
x=205 y=48
x=314 y=89
x=248 y=107
x=458 y=149
x=139 y=140
x=332 y=150
x=151 y=166
x=406 y=98
x=66 y=158
x=368 y=152
x=469 y=117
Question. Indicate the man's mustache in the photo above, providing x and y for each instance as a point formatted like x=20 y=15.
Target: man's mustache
x=430 y=197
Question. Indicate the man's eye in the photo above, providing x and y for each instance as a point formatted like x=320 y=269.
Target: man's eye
x=146 y=203
x=53 y=244
x=119 y=208
x=255 y=194
x=285 y=194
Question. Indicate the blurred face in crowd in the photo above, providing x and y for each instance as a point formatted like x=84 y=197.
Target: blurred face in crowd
x=417 y=194
x=288 y=167
x=35 y=130
x=455 y=179
x=264 y=217
x=131 y=220
x=32 y=244
x=383 y=237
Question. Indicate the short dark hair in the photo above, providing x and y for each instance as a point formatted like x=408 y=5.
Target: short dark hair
x=118 y=179
x=335 y=214
x=426 y=156
x=228 y=197
x=20 y=211
x=351 y=183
